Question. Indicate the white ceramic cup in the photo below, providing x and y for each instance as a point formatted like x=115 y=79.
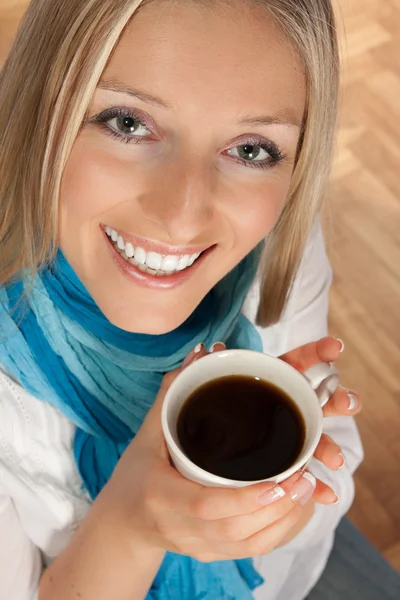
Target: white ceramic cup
x=309 y=390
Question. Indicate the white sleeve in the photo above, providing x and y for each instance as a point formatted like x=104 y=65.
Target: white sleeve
x=41 y=498
x=20 y=560
x=305 y=320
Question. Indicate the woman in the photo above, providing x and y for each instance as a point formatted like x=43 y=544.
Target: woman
x=163 y=167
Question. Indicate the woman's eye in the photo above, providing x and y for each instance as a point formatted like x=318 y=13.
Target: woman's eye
x=123 y=125
x=249 y=153
x=128 y=126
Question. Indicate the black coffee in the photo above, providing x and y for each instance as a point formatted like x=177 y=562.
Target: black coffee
x=241 y=428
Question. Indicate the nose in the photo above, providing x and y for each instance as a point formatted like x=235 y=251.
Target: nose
x=181 y=201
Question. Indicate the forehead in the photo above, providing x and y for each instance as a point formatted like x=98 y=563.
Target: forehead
x=230 y=54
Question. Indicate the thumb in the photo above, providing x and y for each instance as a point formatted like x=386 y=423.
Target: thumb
x=326 y=349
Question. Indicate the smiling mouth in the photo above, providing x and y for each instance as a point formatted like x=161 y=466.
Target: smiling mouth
x=153 y=263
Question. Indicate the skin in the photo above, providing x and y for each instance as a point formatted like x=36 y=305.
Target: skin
x=182 y=188
x=147 y=508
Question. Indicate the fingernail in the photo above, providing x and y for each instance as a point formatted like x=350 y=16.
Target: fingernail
x=342 y=461
x=353 y=401
x=337 y=500
x=271 y=495
x=303 y=489
x=192 y=354
x=342 y=344
x=214 y=346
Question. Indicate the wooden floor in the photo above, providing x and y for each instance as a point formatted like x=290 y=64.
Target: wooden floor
x=364 y=242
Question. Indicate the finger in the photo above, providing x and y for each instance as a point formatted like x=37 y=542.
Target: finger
x=342 y=403
x=324 y=494
x=233 y=529
x=229 y=537
x=237 y=528
x=325 y=350
x=217 y=347
x=210 y=504
x=197 y=352
x=329 y=453
x=242 y=527
x=264 y=541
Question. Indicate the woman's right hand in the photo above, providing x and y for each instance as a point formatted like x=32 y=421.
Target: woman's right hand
x=158 y=508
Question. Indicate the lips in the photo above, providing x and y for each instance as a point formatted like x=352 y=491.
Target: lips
x=142 y=274
x=150 y=262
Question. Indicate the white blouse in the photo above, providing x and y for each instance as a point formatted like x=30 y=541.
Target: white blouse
x=42 y=500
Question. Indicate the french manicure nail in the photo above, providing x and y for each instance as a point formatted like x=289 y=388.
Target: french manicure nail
x=353 y=401
x=342 y=343
x=271 y=495
x=303 y=489
x=342 y=461
x=192 y=355
x=215 y=345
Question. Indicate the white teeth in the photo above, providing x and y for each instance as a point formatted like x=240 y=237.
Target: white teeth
x=169 y=263
x=183 y=262
x=140 y=256
x=153 y=261
x=192 y=259
x=150 y=262
x=129 y=251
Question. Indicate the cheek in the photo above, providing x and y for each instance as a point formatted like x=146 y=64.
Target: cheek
x=84 y=190
x=255 y=213
x=94 y=183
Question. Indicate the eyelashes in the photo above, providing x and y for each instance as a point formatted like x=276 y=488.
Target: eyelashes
x=133 y=127
x=253 y=148
x=122 y=123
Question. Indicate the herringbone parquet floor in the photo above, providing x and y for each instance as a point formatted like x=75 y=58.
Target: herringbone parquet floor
x=363 y=234
x=364 y=241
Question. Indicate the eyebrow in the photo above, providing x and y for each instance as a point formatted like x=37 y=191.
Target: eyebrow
x=115 y=86
x=285 y=117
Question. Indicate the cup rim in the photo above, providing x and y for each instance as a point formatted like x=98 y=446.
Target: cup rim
x=302 y=460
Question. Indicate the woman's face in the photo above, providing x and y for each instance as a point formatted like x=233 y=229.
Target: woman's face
x=184 y=160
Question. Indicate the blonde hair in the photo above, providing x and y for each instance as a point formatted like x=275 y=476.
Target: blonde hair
x=46 y=85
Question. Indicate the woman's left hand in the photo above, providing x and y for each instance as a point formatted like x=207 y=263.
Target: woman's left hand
x=342 y=403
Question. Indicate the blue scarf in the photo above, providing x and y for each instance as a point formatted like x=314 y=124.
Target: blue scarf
x=64 y=351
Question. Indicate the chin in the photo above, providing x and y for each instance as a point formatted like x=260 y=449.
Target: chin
x=152 y=322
